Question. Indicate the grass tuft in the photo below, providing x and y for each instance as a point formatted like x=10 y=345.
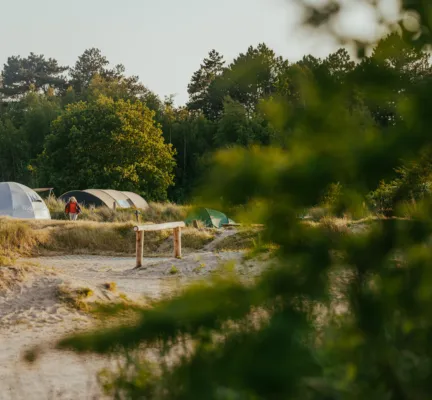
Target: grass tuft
x=110 y=286
x=74 y=297
x=174 y=270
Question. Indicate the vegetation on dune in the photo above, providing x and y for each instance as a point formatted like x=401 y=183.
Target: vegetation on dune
x=244 y=239
x=156 y=213
x=26 y=238
x=74 y=297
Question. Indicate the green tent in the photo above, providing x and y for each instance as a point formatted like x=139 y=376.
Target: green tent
x=210 y=218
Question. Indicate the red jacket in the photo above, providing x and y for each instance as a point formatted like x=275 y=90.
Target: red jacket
x=72 y=208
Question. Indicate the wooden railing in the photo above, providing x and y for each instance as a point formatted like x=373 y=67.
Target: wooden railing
x=175 y=226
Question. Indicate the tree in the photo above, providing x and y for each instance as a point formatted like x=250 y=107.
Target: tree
x=192 y=136
x=108 y=144
x=92 y=77
x=201 y=81
x=89 y=64
x=339 y=65
x=120 y=87
x=248 y=79
x=14 y=152
x=397 y=66
x=38 y=112
x=236 y=127
x=24 y=125
x=20 y=75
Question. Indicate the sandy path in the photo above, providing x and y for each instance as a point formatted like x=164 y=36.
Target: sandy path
x=31 y=315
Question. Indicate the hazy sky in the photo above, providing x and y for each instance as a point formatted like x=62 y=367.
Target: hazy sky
x=162 y=41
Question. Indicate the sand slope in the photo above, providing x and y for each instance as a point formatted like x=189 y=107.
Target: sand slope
x=32 y=314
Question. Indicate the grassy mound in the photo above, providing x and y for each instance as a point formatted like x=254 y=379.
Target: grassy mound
x=26 y=238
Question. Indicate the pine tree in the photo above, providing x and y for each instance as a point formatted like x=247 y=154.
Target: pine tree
x=201 y=81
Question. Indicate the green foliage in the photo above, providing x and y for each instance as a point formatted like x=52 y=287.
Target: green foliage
x=249 y=78
x=235 y=127
x=24 y=126
x=74 y=297
x=412 y=184
x=34 y=72
x=34 y=93
x=89 y=64
x=198 y=89
x=14 y=151
x=108 y=143
x=92 y=77
x=174 y=270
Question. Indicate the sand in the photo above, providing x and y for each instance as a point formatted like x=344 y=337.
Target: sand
x=31 y=314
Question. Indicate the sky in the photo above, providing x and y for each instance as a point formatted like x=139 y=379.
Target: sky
x=161 y=41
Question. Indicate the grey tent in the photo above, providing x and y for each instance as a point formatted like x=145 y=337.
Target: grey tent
x=106 y=198
x=91 y=197
x=136 y=200
x=121 y=199
x=19 y=201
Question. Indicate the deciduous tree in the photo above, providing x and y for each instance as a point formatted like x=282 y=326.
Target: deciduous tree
x=108 y=144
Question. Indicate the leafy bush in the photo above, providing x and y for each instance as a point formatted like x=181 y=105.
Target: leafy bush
x=413 y=183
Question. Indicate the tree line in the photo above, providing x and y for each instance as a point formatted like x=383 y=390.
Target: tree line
x=91 y=125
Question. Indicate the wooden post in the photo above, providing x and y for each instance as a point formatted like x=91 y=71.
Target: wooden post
x=114 y=206
x=139 y=230
x=177 y=242
x=139 y=248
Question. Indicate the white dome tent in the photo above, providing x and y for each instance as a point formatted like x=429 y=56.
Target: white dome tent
x=19 y=201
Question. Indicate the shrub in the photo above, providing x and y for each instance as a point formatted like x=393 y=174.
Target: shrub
x=110 y=286
x=174 y=270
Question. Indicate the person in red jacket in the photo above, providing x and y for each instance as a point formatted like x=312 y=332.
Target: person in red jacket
x=73 y=209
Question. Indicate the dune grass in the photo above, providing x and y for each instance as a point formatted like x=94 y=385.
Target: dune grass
x=246 y=238
x=157 y=213
x=32 y=237
x=74 y=297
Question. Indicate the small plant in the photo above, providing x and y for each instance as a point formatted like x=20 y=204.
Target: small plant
x=174 y=270
x=6 y=261
x=84 y=292
x=199 y=268
x=110 y=286
x=74 y=298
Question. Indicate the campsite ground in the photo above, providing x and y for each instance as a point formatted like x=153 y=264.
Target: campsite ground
x=61 y=266
x=37 y=306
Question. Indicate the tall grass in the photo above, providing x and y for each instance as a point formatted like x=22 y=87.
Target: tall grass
x=18 y=237
x=33 y=237
x=157 y=213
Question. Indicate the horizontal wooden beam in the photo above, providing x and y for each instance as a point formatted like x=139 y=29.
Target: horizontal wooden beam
x=159 y=227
